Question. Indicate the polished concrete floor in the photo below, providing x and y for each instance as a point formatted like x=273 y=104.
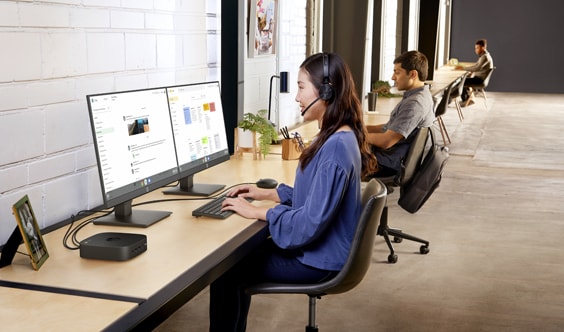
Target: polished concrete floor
x=496 y=227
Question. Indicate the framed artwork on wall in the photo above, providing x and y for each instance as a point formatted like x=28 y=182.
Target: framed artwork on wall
x=263 y=23
x=30 y=231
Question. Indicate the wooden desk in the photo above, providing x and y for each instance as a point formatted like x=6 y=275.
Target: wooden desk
x=184 y=253
x=444 y=76
x=40 y=311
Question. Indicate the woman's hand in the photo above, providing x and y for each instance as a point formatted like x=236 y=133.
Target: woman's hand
x=245 y=209
x=251 y=191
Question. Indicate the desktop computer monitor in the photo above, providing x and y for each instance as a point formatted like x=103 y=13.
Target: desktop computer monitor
x=135 y=151
x=199 y=133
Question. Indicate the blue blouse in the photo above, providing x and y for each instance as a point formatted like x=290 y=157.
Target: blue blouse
x=317 y=218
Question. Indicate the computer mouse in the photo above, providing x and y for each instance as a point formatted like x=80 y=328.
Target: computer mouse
x=267 y=183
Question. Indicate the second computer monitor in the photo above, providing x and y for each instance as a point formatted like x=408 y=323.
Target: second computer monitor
x=199 y=132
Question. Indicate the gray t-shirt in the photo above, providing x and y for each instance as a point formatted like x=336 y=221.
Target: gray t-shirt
x=413 y=111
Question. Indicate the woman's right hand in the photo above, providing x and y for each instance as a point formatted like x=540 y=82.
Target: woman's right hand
x=252 y=191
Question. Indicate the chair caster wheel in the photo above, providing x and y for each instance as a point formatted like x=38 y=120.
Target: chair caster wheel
x=397 y=239
x=424 y=250
x=392 y=258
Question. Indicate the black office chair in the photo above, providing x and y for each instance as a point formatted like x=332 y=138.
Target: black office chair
x=441 y=109
x=358 y=261
x=410 y=165
x=481 y=87
x=456 y=93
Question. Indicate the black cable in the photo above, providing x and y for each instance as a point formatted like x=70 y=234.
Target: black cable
x=72 y=232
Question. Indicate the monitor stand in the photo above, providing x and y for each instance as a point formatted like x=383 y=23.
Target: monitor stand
x=188 y=187
x=124 y=215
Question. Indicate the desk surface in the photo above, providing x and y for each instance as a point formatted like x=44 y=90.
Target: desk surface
x=39 y=311
x=184 y=253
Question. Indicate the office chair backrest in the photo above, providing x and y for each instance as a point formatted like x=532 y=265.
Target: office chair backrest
x=360 y=255
x=460 y=87
x=488 y=76
x=443 y=104
x=414 y=156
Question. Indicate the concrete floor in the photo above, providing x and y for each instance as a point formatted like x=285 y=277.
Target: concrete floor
x=495 y=224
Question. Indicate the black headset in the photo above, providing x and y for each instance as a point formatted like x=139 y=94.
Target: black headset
x=326 y=91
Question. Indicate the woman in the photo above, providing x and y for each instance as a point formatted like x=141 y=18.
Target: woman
x=313 y=226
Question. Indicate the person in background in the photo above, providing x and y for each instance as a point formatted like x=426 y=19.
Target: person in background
x=390 y=141
x=313 y=225
x=479 y=70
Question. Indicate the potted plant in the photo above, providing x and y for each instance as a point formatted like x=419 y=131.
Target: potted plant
x=383 y=89
x=260 y=124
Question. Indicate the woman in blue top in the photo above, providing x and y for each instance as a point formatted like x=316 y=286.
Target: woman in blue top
x=313 y=226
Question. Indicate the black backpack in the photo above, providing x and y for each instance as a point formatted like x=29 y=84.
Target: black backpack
x=426 y=176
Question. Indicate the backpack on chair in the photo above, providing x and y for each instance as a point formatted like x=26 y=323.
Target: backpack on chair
x=426 y=179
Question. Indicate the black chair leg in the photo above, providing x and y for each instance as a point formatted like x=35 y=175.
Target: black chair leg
x=385 y=231
x=312 y=327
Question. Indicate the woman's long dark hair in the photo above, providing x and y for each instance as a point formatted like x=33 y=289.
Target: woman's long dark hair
x=343 y=108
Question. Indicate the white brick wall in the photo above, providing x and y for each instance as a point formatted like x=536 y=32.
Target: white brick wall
x=53 y=54
x=290 y=54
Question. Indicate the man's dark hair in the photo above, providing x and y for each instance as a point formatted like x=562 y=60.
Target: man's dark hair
x=414 y=60
x=482 y=42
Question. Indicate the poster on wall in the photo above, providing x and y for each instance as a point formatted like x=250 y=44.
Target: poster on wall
x=262 y=28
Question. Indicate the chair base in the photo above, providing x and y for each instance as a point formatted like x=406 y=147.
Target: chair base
x=385 y=231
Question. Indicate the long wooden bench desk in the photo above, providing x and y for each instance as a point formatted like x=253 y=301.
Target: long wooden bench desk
x=184 y=255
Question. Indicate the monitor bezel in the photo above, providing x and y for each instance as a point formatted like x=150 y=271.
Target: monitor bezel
x=130 y=191
x=188 y=170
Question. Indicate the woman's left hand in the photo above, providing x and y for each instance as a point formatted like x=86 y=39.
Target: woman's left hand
x=245 y=209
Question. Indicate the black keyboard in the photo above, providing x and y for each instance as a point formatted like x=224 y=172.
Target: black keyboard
x=212 y=209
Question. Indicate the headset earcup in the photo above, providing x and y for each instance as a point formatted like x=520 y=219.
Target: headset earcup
x=326 y=92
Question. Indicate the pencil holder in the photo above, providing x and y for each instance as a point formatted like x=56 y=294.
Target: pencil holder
x=290 y=149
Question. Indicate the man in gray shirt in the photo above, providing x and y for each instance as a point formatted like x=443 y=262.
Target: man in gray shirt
x=390 y=141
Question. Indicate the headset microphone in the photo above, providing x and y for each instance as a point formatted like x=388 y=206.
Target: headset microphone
x=310 y=105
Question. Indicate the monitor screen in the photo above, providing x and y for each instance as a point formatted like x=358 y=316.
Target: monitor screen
x=135 y=150
x=199 y=133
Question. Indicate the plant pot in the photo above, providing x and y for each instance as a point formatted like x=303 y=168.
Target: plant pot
x=246 y=141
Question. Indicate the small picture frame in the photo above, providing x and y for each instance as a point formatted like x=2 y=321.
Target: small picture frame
x=31 y=234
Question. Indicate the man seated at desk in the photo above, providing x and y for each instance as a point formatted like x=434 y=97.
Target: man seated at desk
x=479 y=70
x=390 y=141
